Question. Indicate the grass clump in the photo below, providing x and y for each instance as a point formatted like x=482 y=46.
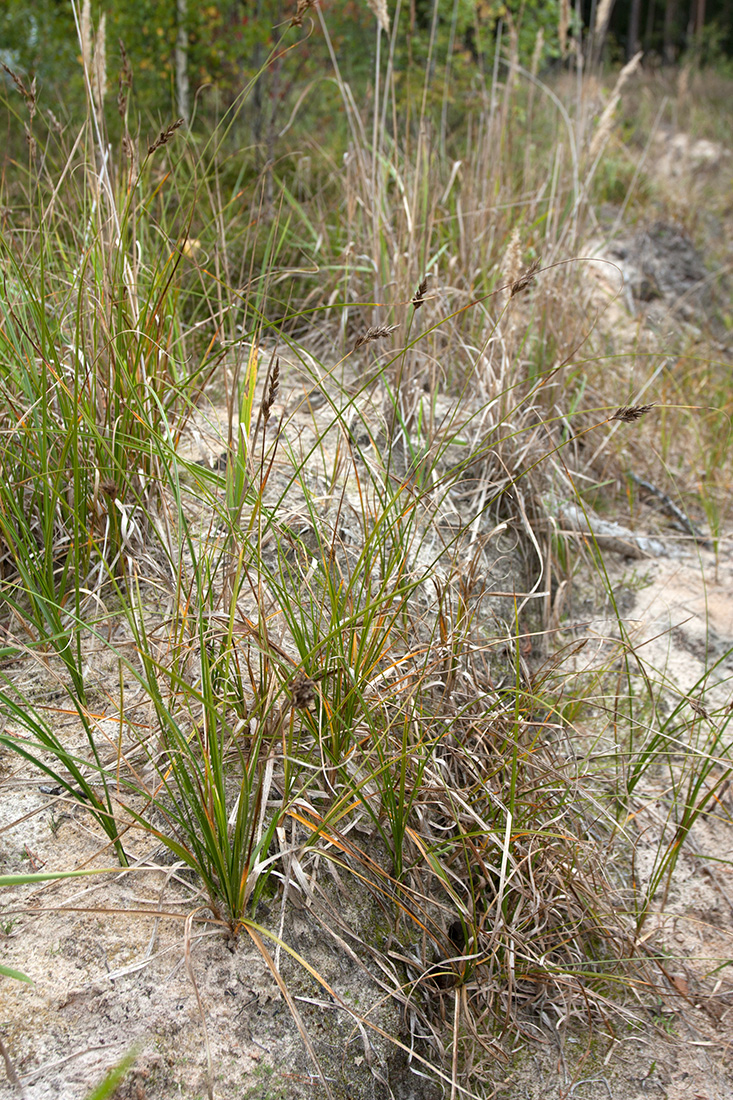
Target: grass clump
x=338 y=642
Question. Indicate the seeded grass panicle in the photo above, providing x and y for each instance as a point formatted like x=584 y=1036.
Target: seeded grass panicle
x=525 y=279
x=28 y=94
x=165 y=136
x=124 y=86
x=375 y=332
x=379 y=7
x=419 y=296
x=302 y=8
x=273 y=387
x=631 y=413
x=604 y=127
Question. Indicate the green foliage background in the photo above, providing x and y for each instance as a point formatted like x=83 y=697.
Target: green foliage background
x=229 y=41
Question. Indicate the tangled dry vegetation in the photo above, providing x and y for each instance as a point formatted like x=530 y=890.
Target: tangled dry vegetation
x=289 y=553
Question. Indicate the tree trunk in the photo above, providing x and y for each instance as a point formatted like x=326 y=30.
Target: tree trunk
x=649 y=31
x=632 y=45
x=669 y=47
x=182 y=87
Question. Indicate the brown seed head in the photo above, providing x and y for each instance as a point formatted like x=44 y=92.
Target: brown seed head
x=376 y=332
x=419 y=296
x=269 y=401
x=125 y=83
x=303 y=6
x=627 y=414
x=525 y=279
x=165 y=135
x=699 y=709
x=29 y=95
